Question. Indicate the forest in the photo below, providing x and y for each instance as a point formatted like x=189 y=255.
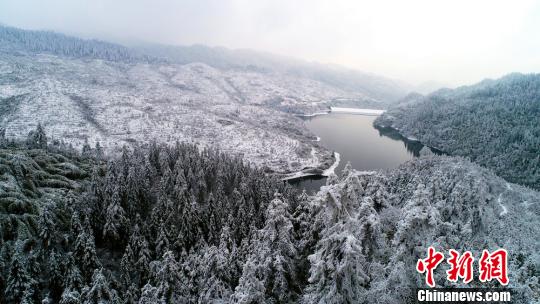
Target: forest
x=183 y=224
x=495 y=123
x=36 y=42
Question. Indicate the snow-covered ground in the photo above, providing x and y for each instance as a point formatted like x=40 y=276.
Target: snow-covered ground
x=313 y=114
x=356 y=111
x=327 y=172
x=241 y=112
x=332 y=168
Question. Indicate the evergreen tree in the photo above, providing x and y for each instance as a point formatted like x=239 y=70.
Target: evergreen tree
x=84 y=252
x=47 y=226
x=37 y=139
x=215 y=275
x=3 y=140
x=167 y=275
x=18 y=280
x=162 y=242
x=86 y=149
x=337 y=274
x=150 y=295
x=99 y=291
x=115 y=220
x=56 y=275
x=251 y=289
x=99 y=151
x=276 y=252
x=70 y=297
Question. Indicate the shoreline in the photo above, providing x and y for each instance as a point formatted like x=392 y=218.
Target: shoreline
x=330 y=170
x=301 y=174
x=411 y=138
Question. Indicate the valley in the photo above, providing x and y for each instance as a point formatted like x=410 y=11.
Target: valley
x=176 y=174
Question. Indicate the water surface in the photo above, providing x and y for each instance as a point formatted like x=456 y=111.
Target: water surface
x=358 y=142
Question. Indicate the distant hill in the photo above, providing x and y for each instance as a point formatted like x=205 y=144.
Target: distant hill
x=380 y=89
x=377 y=87
x=495 y=123
x=14 y=40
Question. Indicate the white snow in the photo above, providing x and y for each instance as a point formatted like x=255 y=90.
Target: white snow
x=356 y=111
x=120 y=104
x=332 y=168
x=313 y=114
x=499 y=200
x=326 y=172
x=503 y=207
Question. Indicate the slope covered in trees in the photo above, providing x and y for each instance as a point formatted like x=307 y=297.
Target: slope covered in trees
x=16 y=40
x=376 y=226
x=495 y=123
x=180 y=224
x=172 y=224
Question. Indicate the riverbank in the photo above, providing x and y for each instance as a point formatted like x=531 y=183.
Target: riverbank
x=318 y=172
x=314 y=171
x=399 y=134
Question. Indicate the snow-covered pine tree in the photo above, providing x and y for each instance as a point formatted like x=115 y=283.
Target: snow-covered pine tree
x=167 y=275
x=84 y=252
x=275 y=252
x=150 y=295
x=99 y=292
x=86 y=149
x=251 y=289
x=337 y=274
x=47 y=226
x=115 y=220
x=215 y=276
x=18 y=280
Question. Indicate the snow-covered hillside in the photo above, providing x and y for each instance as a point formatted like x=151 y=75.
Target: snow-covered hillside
x=391 y=217
x=496 y=123
x=89 y=90
x=119 y=103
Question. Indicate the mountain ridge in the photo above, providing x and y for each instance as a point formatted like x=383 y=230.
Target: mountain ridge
x=496 y=123
x=384 y=89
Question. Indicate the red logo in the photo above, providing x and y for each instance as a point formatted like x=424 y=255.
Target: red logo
x=491 y=266
x=460 y=266
x=429 y=264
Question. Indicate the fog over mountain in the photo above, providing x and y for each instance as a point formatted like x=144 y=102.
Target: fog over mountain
x=415 y=41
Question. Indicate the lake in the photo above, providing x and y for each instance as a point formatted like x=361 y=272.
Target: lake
x=358 y=142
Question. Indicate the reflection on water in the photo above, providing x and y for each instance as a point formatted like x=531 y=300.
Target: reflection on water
x=358 y=142
x=412 y=146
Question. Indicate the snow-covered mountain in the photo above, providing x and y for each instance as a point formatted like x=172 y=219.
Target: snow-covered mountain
x=495 y=123
x=377 y=225
x=374 y=87
x=97 y=91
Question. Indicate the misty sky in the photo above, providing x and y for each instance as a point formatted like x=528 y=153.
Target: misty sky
x=451 y=42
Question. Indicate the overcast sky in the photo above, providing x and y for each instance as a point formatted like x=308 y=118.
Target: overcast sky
x=452 y=42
